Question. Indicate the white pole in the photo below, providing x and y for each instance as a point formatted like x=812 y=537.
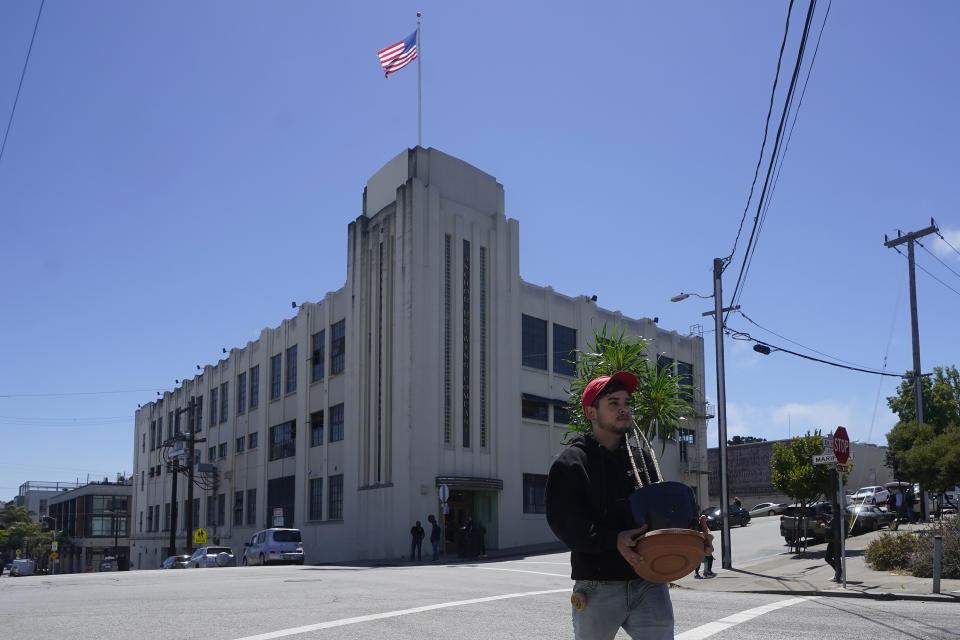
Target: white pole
x=843 y=531
x=419 y=98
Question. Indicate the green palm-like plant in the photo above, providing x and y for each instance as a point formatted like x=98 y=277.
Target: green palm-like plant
x=661 y=401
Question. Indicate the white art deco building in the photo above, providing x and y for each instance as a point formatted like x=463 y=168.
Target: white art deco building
x=435 y=364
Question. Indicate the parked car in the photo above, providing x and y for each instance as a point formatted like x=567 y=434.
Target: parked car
x=176 y=562
x=915 y=487
x=813 y=522
x=767 y=509
x=22 y=567
x=212 y=556
x=871 y=495
x=866 y=517
x=108 y=564
x=737 y=515
x=274 y=546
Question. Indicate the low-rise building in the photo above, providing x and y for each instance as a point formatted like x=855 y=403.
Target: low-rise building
x=95 y=520
x=434 y=365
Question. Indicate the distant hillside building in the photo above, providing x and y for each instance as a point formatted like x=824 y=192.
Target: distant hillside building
x=748 y=471
x=435 y=364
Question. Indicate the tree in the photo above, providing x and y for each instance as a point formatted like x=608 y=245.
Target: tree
x=662 y=399
x=793 y=472
x=744 y=440
x=941 y=398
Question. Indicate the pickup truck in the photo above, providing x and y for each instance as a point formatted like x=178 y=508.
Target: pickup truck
x=816 y=519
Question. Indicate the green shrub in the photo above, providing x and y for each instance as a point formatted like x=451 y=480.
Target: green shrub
x=921 y=559
x=891 y=551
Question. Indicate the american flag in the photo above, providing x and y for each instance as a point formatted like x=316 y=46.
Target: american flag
x=399 y=55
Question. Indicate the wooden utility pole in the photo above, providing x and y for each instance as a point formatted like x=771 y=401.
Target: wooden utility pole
x=910 y=238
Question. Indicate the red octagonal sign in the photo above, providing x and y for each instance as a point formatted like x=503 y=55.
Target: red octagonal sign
x=841 y=445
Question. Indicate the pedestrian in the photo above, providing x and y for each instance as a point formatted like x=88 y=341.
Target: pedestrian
x=737 y=502
x=708 y=567
x=587 y=507
x=416 y=541
x=434 y=537
x=901 y=512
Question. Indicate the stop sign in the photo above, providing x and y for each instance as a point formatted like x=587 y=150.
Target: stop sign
x=841 y=445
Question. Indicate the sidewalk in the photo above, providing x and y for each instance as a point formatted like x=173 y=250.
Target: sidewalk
x=808 y=574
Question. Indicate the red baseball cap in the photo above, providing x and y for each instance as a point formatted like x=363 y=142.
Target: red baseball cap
x=597 y=385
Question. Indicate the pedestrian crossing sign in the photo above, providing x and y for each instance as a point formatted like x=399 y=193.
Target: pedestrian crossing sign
x=199 y=537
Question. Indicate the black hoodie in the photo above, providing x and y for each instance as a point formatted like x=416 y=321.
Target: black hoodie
x=587 y=506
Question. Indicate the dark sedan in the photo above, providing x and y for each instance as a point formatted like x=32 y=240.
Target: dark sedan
x=866 y=517
x=737 y=515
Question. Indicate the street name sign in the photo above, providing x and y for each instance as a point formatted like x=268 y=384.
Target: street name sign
x=826 y=458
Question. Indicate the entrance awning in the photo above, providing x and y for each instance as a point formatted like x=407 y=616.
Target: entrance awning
x=474 y=484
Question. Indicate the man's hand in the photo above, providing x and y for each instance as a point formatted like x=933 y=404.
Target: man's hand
x=707 y=537
x=625 y=545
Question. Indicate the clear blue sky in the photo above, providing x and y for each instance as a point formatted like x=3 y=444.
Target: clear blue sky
x=178 y=172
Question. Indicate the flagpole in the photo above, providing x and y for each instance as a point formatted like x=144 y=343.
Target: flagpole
x=419 y=98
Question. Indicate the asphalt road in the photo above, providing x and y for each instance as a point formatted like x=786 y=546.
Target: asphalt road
x=517 y=598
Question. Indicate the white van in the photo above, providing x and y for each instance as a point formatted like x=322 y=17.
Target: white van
x=22 y=567
x=274 y=546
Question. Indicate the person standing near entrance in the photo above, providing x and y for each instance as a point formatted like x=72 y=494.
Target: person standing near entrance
x=587 y=506
x=416 y=541
x=434 y=537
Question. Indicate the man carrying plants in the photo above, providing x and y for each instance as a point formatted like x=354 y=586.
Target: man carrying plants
x=587 y=502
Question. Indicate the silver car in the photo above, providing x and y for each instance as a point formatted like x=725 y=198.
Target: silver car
x=767 y=509
x=274 y=546
x=212 y=556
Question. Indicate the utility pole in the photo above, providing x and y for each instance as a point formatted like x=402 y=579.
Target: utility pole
x=915 y=328
x=192 y=424
x=725 y=553
x=172 y=469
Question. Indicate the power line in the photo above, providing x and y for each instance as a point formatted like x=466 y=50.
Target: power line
x=23 y=73
x=929 y=274
x=72 y=393
x=786 y=147
x=947 y=243
x=740 y=335
x=751 y=321
x=766 y=131
x=938 y=259
x=751 y=246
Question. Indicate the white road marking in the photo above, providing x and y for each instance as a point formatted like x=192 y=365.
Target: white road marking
x=542 y=573
x=711 y=628
x=392 y=614
x=559 y=564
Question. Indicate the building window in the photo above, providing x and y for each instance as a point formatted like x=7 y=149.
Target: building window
x=283 y=443
x=533 y=409
x=198 y=421
x=251 y=506
x=224 y=400
x=237 y=508
x=561 y=415
x=319 y=344
x=316 y=499
x=153 y=435
x=221 y=509
x=336 y=423
x=534 y=342
x=291 y=384
x=166 y=517
x=241 y=441
x=534 y=490
x=176 y=422
x=211 y=454
x=564 y=350
x=255 y=387
x=222 y=451
x=338 y=347
x=316 y=428
x=159 y=432
x=686 y=438
x=196 y=512
x=275 y=364
x=465 y=413
x=149 y=518
x=212 y=511
x=253 y=440
x=281 y=495
x=335 y=498
x=447 y=342
x=483 y=346
x=241 y=393
x=213 y=406
x=169 y=424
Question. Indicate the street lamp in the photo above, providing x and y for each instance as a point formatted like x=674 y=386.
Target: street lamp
x=717 y=312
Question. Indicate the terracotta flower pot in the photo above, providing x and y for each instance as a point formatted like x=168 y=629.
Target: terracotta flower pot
x=673 y=545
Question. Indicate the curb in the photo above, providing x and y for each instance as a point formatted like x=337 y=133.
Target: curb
x=837 y=593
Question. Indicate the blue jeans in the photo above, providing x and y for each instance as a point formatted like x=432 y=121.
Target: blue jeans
x=642 y=608
x=436 y=549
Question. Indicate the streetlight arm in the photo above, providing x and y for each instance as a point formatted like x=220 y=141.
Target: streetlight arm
x=684 y=296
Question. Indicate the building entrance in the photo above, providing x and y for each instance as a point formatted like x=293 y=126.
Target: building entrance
x=470 y=526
